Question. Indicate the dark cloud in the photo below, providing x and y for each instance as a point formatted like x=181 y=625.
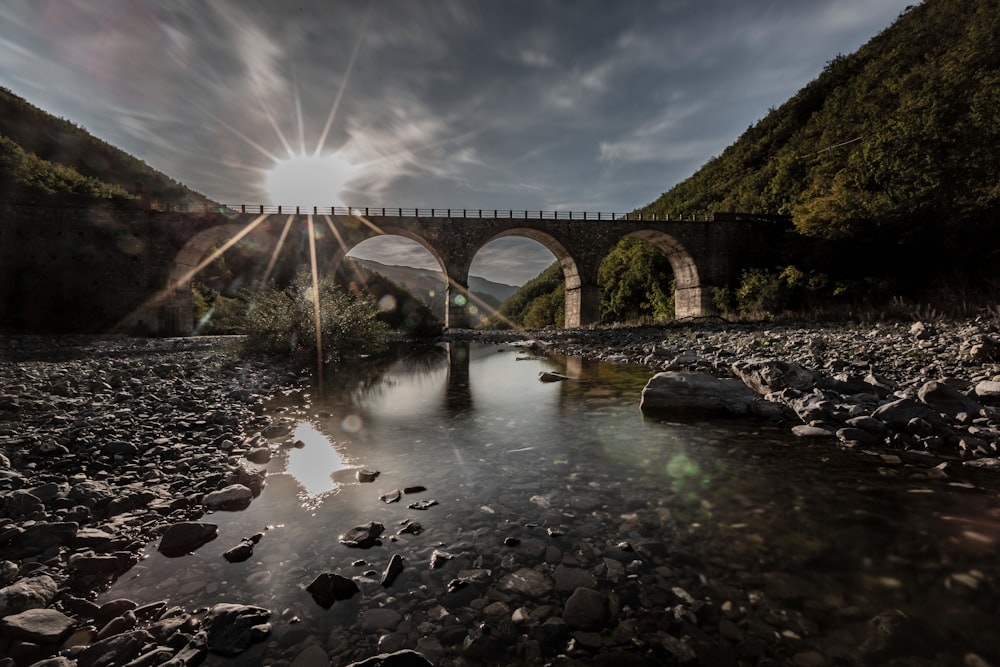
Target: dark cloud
x=524 y=104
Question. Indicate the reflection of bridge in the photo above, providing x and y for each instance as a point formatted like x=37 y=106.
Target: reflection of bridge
x=132 y=267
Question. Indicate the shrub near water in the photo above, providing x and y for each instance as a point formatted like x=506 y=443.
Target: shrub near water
x=280 y=322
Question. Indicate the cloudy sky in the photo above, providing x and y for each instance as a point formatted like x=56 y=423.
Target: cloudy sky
x=580 y=105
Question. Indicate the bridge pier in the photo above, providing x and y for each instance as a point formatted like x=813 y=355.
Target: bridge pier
x=583 y=306
x=694 y=302
x=456 y=314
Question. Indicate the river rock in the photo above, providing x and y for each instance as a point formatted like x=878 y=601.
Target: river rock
x=946 y=399
x=259 y=455
x=116 y=650
x=585 y=609
x=988 y=391
x=392 y=570
x=186 y=536
x=232 y=498
x=232 y=628
x=391 y=496
x=528 y=582
x=549 y=376
x=697 y=395
x=329 y=587
x=364 y=536
x=570 y=578
x=769 y=375
x=366 y=475
x=28 y=593
x=896 y=414
x=311 y=656
x=380 y=618
x=240 y=552
x=43 y=536
x=46 y=626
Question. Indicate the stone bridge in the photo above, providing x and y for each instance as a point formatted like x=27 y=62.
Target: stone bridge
x=132 y=268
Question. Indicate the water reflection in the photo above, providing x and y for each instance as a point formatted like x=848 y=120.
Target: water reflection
x=837 y=536
x=313 y=461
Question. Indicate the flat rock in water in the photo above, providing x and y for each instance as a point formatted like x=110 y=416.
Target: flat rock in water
x=186 y=536
x=391 y=496
x=364 y=536
x=366 y=475
x=232 y=498
x=240 y=552
x=329 y=587
x=695 y=395
x=549 y=376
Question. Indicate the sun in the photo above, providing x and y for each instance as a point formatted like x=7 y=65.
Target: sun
x=310 y=180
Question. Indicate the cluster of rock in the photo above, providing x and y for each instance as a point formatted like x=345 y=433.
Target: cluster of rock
x=931 y=388
x=100 y=455
x=105 y=446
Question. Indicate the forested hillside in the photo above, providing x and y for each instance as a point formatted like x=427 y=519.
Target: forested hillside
x=44 y=156
x=900 y=137
x=888 y=166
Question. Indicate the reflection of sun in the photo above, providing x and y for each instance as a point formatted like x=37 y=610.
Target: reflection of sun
x=310 y=180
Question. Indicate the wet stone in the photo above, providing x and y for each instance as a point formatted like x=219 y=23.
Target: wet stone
x=232 y=628
x=186 y=536
x=46 y=626
x=527 y=582
x=586 y=609
x=392 y=570
x=330 y=587
x=364 y=536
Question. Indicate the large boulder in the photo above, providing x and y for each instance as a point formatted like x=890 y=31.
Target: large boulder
x=697 y=395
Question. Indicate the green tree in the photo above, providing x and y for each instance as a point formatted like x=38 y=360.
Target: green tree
x=636 y=283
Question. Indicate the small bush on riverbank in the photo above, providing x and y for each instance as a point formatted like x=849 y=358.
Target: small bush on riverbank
x=281 y=322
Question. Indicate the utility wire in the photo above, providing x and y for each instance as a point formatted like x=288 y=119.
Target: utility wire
x=830 y=148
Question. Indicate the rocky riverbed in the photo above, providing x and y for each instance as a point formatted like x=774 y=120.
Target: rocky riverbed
x=109 y=444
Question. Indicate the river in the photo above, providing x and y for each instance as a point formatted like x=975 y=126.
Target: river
x=722 y=538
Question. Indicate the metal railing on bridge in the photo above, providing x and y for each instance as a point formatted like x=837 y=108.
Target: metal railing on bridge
x=457 y=213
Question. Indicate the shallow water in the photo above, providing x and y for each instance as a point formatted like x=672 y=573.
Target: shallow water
x=838 y=536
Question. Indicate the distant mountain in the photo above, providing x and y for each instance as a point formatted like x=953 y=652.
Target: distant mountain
x=428 y=286
x=50 y=156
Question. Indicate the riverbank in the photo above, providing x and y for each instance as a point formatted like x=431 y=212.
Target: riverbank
x=106 y=443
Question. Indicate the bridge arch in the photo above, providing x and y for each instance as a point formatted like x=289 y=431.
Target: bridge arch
x=689 y=291
x=681 y=262
x=575 y=297
x=355 y=236
x=174 y=314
